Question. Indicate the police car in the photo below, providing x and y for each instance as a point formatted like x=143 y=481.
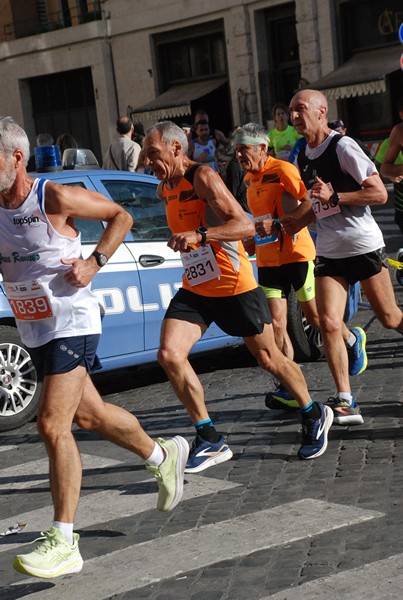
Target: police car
x=133 y=290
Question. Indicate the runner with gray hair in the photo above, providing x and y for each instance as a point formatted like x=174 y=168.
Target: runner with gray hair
x=12 y=136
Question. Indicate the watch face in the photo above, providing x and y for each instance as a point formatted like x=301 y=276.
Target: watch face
x=101 y=259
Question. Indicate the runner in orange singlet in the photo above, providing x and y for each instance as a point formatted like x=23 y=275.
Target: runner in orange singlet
x=207 y=224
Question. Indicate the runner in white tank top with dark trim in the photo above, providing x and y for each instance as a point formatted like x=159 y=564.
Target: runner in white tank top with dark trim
x=48 y=286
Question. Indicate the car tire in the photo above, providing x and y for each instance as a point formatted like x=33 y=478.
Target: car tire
x=19 y=385
x=306 y=340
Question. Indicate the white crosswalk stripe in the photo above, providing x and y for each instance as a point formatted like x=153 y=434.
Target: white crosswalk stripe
x=110 y=505
x=382 y=579
x=136 y=566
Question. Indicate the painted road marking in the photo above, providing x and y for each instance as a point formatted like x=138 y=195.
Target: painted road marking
x=31 y=473
x=380 y=579
x=109 y=505
x=150 y=562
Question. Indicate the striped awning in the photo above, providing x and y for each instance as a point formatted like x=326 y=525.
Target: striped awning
x=363 y=74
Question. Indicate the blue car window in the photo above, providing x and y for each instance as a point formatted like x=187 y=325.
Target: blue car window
x=91 y=231
x=141 y=201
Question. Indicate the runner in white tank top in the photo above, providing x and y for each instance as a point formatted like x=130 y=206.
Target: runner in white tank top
x=45 y=305
x=48 y=286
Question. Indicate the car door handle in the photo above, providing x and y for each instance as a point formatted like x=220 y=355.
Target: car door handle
x=151 y=260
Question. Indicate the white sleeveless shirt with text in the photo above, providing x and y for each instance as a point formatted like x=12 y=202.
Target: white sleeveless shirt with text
x=46 y=307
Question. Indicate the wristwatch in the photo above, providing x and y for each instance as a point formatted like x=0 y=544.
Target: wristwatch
x=203 y=233
x=335 y=198
x=101 y=259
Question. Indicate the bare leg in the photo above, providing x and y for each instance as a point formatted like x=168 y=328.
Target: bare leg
x=177 y=340
x=331 y=296
x=61 y=395
x=73 y=396
x=379 y=292
x=278 y=309
x=264 y=349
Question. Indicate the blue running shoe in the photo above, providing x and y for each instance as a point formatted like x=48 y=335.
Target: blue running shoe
x=357 y=356
x=205 y=454
x=314 y=434
x=281 y=399
x=399 y=272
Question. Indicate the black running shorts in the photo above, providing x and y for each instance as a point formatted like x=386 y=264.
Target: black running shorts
x=243 y=315
x=353 y=268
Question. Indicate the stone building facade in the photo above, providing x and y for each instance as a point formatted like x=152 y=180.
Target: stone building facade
x=75 y=65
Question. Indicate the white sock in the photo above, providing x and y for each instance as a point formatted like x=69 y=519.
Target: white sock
x=351 y=340
x=156 y=457
x=346 y=396
x=67 y=530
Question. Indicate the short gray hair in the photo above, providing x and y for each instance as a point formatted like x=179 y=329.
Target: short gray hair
x=12 y=136
x=250 y=132
x=44 y=139
x=170 y=132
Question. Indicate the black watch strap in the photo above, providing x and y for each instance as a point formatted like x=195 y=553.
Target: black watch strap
x=203 y=233
x=101 y=259
x=335 y=198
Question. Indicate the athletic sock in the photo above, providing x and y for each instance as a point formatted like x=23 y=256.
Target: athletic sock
x=311 y=411
x=351 y=340
x=206 y=430
x=346 y=397
x=66 y=529
x=156 y=457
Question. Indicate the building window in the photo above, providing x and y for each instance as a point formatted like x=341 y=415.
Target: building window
x=278 y=50
x=194 y=53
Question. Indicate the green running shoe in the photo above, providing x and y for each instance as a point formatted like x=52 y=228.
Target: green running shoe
x=170 y=473
x=52 y=558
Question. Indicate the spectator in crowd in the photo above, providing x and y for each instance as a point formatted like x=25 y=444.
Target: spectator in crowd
x=338 y=125
x=138 y=134
x=219 y=137
x=233 y=175
x=64 y=141
x=42 y=139
x=283 y=136
x=203 y=148
x=123 y=154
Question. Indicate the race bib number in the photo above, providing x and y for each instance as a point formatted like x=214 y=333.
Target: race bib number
x=200 y=265
x=266 y=239
x=28 y=300
x=324 y=209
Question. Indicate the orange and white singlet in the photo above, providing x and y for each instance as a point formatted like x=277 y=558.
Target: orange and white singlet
x=186 y=212
x=265 y=193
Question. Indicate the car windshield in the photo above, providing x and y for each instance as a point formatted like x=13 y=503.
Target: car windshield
x=141 y=201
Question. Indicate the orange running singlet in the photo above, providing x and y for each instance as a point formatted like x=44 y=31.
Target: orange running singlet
x=266 y=191
x=186 y=212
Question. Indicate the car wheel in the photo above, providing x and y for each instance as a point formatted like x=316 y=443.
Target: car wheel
x=306 y=340
x=19 y=386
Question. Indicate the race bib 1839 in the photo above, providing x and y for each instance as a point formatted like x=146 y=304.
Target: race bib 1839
x=28 y=300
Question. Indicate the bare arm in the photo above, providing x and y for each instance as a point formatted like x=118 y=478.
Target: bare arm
x=388 y=169
x=64 y=203
x=209 y=186
x=299 y=218
x=373 y=192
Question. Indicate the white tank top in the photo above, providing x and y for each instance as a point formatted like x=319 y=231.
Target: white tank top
x=208 y=153
x=46 y=307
